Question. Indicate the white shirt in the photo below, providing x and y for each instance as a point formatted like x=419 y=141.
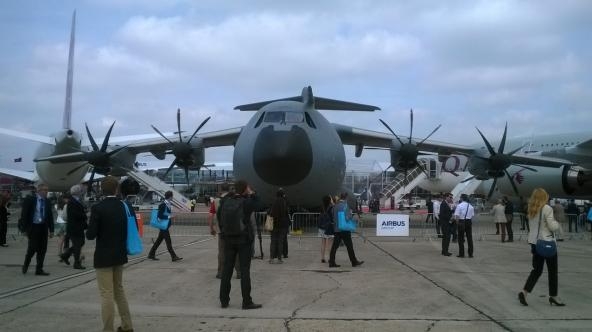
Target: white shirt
x=436 y=209
x=464 y=211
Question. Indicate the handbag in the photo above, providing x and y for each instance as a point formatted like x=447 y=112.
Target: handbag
x=545 y=248
x=133 y=242
x=268 y=223
x=157 y=223
x=344 y=224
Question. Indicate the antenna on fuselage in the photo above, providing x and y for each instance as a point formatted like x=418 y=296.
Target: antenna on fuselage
x=66 y=122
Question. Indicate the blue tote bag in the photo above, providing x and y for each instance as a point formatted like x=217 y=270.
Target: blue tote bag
x=134 y=243
x=161 y=224
x=344 y=224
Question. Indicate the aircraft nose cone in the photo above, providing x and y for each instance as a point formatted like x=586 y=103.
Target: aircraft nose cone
x=282 y=158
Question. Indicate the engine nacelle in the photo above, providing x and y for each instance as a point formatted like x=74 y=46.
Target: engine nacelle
x=479 y=168
x=565 y=181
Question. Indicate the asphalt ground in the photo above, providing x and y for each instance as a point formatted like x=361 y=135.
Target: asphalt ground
x=404 y=285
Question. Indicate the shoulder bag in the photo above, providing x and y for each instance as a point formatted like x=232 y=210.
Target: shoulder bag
x=157 y=223
x=268 y=223
x=545 y=248
x=134 y=243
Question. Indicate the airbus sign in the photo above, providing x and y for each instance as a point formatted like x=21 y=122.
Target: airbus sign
x=392 y=225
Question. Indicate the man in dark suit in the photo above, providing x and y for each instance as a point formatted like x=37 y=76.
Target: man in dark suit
x=445 y=217
x=76 y=224
x=108 y=224
x=37 y=221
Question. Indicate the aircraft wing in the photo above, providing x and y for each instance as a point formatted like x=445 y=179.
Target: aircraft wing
x=226 y=137
x=25 y=175
x=368 y=138
x=28 y=136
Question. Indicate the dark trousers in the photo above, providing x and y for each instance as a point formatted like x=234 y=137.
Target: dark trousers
x=285 y=243
x=37 y=245
x=465 y=227
x=166 y=236
x=509 y=218
x=453 y=231
x=75 y=249
x=537 y=270
x=446 y=239
x=524 y=222
x=346 y=238
x=571 y=218
x=276 y=247
x=4 y=230
x=221 y=257
x=438 y=226
x=232 y=248
x=430 y=216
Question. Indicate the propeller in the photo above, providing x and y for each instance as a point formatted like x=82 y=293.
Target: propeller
x=98 y=158
x=183 y=151
x=498 y=162
x=408 y=151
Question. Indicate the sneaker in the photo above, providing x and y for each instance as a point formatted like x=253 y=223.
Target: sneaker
x=177 y=259
x=152 y=258
x=358 y=263
x=224 y=305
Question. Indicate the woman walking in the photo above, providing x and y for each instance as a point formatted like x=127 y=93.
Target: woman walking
x=499 y=217
x=542 y=225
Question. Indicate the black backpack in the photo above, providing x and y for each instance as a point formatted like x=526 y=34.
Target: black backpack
x=324 y=220
x=232 y=216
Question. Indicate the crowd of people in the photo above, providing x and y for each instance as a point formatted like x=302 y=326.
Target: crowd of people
x=231 y=219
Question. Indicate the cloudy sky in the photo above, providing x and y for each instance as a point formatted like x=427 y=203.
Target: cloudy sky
x=459 y=63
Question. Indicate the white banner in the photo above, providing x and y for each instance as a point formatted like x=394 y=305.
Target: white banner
x=392 y=225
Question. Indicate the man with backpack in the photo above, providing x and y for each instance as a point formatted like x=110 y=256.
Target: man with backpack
x=234 y=215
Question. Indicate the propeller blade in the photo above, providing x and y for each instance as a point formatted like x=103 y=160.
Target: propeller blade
x=198 y=128
x=411 y=130
x=512 y=183
x=187 y=175
x=179 y=124
x=116 y=150
x=91 y=139
x=106 y=139
x=432 y=133
x=503 y=142
x=76 y=168
x=492 y=188
x=489 y=147
x=170 y=167
x=526 y=167
x=392 y=132
x=518 y=149
x=158 y=131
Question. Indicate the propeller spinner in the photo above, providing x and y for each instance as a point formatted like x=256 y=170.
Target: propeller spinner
x=498 y=162
x=409 y=151
x=183 y=151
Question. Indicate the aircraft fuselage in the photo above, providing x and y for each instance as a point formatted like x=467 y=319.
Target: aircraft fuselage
x=291 y=146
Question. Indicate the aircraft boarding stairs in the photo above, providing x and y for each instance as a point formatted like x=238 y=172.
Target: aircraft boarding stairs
x=160 y=187
x=401 y=186
x=468 y=187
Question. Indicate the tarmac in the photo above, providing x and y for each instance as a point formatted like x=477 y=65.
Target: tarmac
x=404 y=285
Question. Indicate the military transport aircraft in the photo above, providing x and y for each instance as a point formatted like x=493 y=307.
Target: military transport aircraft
x=287 y=143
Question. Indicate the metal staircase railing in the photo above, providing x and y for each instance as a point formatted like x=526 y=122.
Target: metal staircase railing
x=414 y=176
x=160 y=187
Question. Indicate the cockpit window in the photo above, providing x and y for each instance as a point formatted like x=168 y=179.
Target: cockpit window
x=294 y=117
x=274 y=117
x=284 y=117
x=258 y=123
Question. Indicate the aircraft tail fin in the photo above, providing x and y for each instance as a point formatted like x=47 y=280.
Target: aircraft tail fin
x=318 y=103
x=66 y=122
